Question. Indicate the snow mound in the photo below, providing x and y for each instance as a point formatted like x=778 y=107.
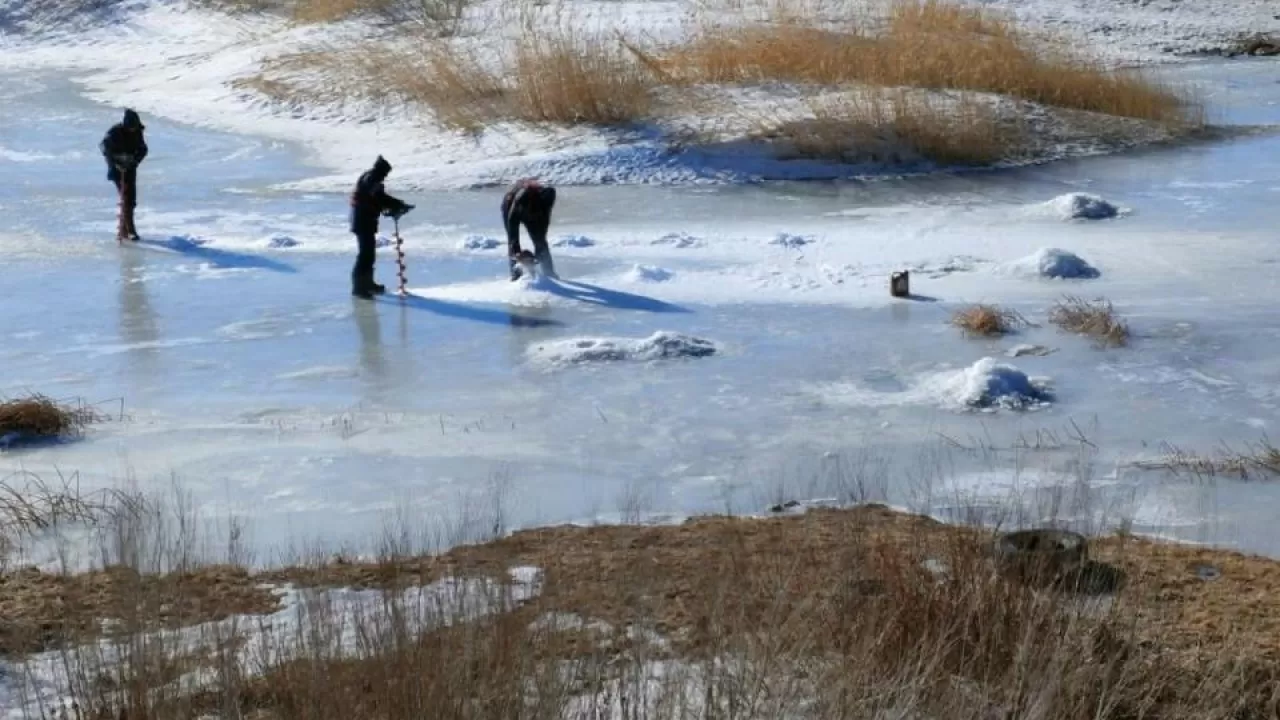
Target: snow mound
x=1054 y=263
x=648 y=274
x=479 y=242
x=280 y=242
x=661 y=345
x=1033 y=350
x=1082 y=206
x=987 y=385
x=991 y=384
x=573 y=241
x=680 y=240
x=788 y=240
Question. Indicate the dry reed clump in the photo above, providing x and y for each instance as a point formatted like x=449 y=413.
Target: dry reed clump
x=1254 y=462
x=1093 y=318
x=988 y=320
x=898 y=127
x=561 y=77
x=856 y=613
x=926 y=44
x=38 y=417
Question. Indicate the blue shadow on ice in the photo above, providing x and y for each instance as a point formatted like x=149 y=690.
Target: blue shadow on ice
x=597 y=295
x=468 y=312
x=225 y=259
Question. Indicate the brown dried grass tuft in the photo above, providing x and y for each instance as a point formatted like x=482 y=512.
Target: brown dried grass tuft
x=988 y=320
x=1093 y=318
x=39 y=417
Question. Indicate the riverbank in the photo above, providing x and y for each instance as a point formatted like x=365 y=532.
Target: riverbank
x=644 y=92
x=813 y=614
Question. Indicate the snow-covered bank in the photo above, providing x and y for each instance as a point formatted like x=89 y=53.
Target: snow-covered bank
x=189 y=64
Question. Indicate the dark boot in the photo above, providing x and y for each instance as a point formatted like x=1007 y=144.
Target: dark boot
x=378 y=289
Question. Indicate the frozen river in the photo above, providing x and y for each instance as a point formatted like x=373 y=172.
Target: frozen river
x=251 y=380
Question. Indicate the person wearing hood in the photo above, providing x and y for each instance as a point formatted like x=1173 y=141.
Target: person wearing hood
x=529 y=203
x=124 y=148
x=368 y=201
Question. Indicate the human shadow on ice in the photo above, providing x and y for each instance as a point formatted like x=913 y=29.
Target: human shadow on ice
x=226 y=259
x=596 y=295
x=468 y=312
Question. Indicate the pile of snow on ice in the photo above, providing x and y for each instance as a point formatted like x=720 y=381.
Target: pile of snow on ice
x=680 y=240
x=986 y=385
x=573 y=241
x=648 y=274
x=1082 y=206
x=791 y=241
x=1054 y=263
x=991 y=384
x=661 y=345
x=479 y=242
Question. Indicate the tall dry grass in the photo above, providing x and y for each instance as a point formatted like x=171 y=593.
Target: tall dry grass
x=898 y=127
x=564 y=77
x=925 y=44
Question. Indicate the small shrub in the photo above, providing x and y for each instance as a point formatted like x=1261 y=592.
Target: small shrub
x=1093 y=318
x=988 y=320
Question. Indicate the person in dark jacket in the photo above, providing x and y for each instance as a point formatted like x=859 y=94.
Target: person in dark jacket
x=368 y=201
x=124 y=149
x=529 y=202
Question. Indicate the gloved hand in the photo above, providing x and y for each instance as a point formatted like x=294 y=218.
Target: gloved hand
x=124 y=163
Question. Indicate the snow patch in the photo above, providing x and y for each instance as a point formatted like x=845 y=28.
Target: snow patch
x=659 y=346
x=1054 y=263
x=479 y=243
x=280 y=242
x=573 y=241
x=1082 y=206
x=648 y=274
x=1032 y=350
x=680 y=240
x=320 y=372
x=788 y=240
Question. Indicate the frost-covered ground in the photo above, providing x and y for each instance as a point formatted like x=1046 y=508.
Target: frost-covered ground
x=251 y=377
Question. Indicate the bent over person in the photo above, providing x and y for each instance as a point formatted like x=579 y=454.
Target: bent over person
x=529 y=203
x=124 y=149
x=368 y=201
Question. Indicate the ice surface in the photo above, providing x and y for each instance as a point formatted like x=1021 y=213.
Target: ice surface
x=1056 y=264
x=251 y=378
x=661 y=345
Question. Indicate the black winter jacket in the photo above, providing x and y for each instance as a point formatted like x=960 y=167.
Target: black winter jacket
x=368 y=201
x=123 y=141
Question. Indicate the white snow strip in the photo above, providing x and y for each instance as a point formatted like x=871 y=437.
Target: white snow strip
x=661 y=345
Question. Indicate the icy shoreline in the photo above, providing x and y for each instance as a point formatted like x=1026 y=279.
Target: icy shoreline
x=189 y=64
